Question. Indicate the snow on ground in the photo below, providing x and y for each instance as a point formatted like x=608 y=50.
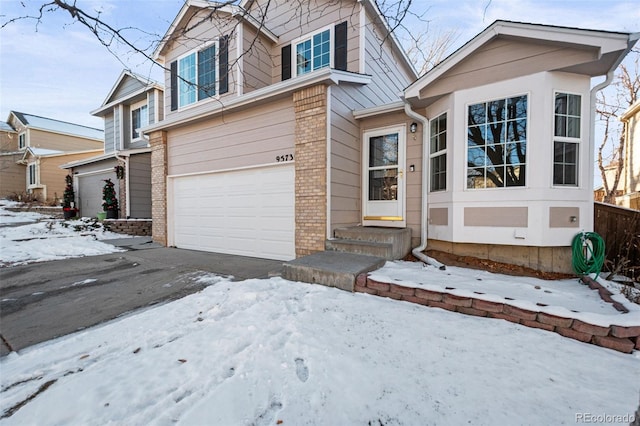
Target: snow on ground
x=50 y=239
x=10 y=217
x=268 y=352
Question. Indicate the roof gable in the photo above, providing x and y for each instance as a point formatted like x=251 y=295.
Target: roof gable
x=127 y=84
x=510 y=49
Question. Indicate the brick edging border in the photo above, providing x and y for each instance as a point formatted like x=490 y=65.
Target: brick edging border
x=619 y=338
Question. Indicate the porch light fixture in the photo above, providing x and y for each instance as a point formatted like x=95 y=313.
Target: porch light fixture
x=413 y=127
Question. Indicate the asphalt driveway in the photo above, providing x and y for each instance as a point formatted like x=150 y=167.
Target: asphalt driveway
x=41 y=301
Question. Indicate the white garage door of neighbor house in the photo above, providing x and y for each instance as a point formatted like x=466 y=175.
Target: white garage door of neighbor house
x=90 y=193
x=248 y=212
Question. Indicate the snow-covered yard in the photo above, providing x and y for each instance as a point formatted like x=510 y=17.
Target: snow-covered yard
x=270 y=352
x=27 y=237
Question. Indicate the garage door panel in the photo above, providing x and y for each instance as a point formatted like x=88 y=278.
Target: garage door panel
x=249 y=213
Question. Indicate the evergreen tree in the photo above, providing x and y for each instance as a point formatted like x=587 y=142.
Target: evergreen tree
x=69 y=195
x=109 y=196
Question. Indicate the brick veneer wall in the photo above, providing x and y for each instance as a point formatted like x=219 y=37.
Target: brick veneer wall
x=158 y=141
x=139 y=227
x=623 y=339
x=311 y=169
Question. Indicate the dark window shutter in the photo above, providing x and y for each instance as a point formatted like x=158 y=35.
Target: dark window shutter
x=174 y=85
x=340 y=51
x=286 y=62
x=223 y=64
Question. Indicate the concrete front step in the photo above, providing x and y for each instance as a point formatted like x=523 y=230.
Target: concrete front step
x=390 y=243
x=331 y=268
x=384 y=250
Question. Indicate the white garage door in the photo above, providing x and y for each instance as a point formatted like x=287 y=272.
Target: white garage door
x=90 y=192
x=248 y=212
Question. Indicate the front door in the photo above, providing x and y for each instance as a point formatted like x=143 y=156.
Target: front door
x=383 y=177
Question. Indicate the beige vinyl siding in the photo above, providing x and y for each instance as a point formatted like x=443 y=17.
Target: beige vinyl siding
x=256 y=62
x=503 y=60
x=12 y=175
x=126 y=87
x=159 y=96
x=60 y=142
x=316 y=16
x=388 y=79
x=8 y=141
x=140 y=186
x=240 y=139
x=151 y=105
x=52 y=177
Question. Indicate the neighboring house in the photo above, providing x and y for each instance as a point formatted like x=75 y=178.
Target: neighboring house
x=12 y=181
x=44 y=144
x=133 y=102
x=306 y=125
x=630 y=179
x=610 y=171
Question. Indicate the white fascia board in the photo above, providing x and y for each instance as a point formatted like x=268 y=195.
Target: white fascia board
x=378 y=110
x=631 y=111
x=276 y=90
x=86 y=161
x=130 y=152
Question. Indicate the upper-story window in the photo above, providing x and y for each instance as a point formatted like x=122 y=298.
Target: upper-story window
x=139 y=118
x=321 y=49
x=497 y=143
x=22 y=140
x=566 y=143
x=313 y=53
x=438 y=153
x=197 y=75
x=200 y=74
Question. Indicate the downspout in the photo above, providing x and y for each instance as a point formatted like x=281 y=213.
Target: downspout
x=418 y=251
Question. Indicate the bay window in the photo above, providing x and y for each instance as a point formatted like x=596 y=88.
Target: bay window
x=497 y=143
x=438 y=153
x=567 y=117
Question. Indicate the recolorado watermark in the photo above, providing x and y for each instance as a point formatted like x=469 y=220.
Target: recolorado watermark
x=605 y=418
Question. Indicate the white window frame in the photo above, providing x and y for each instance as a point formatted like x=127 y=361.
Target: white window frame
x=566 y=139
x=22 y=140
x=309 y=37
x=135 y=107
x=439 y=153
x=466 y=146
x=195 y=52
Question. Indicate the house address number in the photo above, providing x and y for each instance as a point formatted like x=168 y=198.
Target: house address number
x=285 y=157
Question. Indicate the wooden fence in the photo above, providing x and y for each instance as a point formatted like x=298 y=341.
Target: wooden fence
x=620 y=229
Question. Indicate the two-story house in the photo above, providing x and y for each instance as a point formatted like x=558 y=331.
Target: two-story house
x=44 y=145
x=132 y=103
x=284 y=124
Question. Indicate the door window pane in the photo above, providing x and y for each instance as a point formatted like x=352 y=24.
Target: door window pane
x=383 y=150
x=383 y=185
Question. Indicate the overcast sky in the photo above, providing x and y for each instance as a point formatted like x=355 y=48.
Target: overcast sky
x=58 y=69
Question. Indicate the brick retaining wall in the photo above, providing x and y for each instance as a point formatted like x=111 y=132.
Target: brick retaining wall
x=619 y=338
x=139 y=227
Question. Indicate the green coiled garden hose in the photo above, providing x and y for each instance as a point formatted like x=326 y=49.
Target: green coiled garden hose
x=588 y=253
